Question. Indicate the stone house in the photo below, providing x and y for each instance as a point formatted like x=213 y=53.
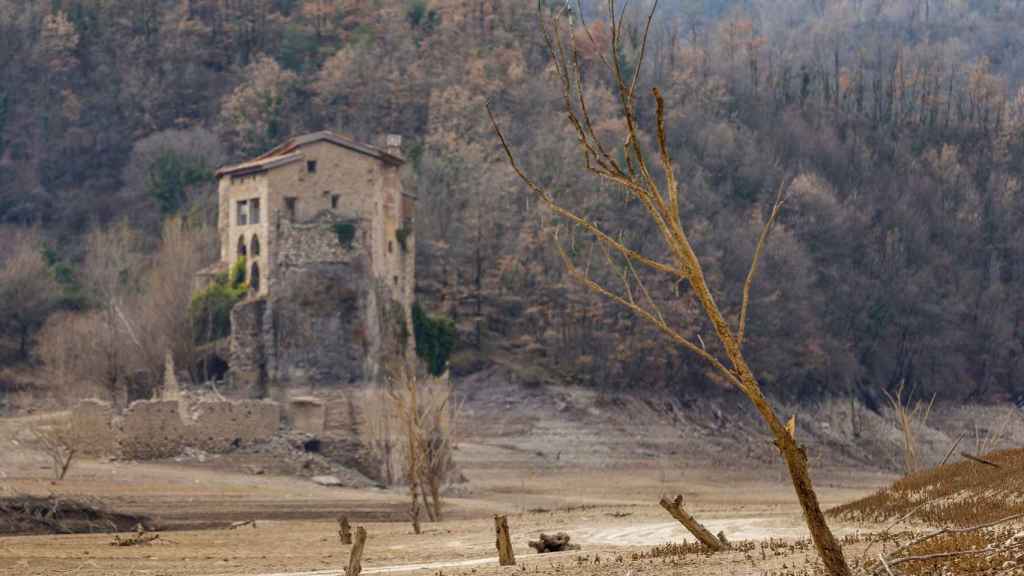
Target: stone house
x=326 y=232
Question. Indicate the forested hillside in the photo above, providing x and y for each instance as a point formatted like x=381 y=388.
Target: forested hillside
x=897 y=124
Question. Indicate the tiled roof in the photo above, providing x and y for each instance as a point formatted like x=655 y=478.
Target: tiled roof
x=289 y=151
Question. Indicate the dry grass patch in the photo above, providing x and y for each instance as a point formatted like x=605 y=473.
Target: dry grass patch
x=960 y=494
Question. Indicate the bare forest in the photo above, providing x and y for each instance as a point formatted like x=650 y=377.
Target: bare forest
x=894 y=129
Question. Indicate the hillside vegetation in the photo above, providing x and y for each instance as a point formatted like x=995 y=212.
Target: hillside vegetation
x=898 y=126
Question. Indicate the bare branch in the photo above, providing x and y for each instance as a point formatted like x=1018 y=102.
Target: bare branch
x=780 y=199
x=575 y=218
x=642 y=312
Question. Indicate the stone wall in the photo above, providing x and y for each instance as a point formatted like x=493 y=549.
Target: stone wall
x=151 y=429
x=93 y=424
x=247 y=359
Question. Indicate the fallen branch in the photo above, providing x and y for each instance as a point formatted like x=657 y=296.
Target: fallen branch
x=139 y=539
x=980 y=460
x=675 y=508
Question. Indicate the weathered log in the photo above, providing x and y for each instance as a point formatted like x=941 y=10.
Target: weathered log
x=675 y=508
x=553 y=543
x=355 y=560
x=504 y=542
x=344 y=530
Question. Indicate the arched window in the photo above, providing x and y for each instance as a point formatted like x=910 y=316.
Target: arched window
x=254 y=277
x=241 y=246
x=255 y=245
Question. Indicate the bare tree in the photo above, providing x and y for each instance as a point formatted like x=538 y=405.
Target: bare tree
x=631 y=170
x=57 y=441
x=426 y=413
x=28 y=290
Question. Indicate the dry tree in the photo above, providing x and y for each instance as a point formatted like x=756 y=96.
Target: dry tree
x=57 y=442
x=632 y=170
x=426 y=414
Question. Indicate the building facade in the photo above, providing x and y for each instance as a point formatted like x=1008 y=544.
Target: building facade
x=327 y=236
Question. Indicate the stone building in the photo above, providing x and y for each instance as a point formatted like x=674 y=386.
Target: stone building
x=326 y=232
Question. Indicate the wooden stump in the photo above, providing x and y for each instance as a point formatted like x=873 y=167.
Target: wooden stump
x=675 y=508
x=504 y=542
x=355 y=560
x=344 y=530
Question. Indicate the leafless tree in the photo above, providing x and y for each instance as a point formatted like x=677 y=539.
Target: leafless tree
x=28 y=290
x=58 y=442
x=632 y=171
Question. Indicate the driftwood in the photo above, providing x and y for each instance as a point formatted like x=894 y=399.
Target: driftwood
x=675 y=508
x=355 y=560
x=236 y=525
x=344 y=530
x=140 y=538
x=980 y=460
x=553 y=543
x=506 y=557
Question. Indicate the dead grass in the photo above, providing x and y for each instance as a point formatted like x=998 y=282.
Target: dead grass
x=960 y=494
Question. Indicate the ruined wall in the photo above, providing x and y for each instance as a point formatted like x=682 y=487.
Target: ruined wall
x=93 y=426
x=151 y=429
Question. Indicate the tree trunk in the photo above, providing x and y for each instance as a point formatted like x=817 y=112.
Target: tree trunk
x=355 y=560
x=344 y=530
x=506 y=557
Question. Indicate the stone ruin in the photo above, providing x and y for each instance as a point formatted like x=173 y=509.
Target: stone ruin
x=151 y=429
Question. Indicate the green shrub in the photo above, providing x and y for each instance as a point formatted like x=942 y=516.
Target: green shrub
x=402 y=234
x=346 y=232
x=420 y=16
x=210 y=309
x=171 y=175
x=435 y=339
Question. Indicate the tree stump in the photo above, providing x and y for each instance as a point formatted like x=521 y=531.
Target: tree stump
x=675 y=508
x=355 y=560
x=504 y=542
x=553 y=543
x=344 y=530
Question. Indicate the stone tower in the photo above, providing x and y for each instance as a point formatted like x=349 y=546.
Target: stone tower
x=327 y=236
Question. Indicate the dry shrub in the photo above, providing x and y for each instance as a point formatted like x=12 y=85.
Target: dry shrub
x=140 y=311
x=57 y=441
x=961 y=494
x=909 y=419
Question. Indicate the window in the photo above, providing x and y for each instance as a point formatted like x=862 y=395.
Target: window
x=254 y=277
x=254 y=211
x=334 y=201
x=289 y=206
x=243 y=213
x=396 y=280
x=391 y=246
x=255 y=244
x=311 y=166
x=241 y=246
